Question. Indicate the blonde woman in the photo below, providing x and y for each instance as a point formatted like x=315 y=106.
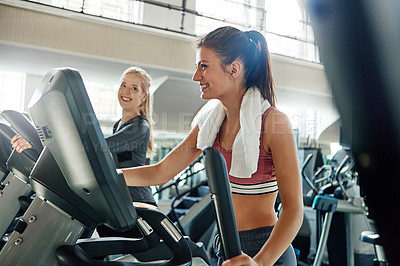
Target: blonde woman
x=132 y=142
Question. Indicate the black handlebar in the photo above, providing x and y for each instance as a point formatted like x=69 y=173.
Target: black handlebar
x=304 y=175
x=221 y=195
x=338 y=172
x=162 y=226
x=7 y=132
x=21 y=124
x=340 y=167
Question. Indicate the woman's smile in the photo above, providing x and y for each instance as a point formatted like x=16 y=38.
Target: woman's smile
x=126 y=99
x=203 y=86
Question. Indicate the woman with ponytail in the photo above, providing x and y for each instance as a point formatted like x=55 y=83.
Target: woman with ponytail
x=255 y=139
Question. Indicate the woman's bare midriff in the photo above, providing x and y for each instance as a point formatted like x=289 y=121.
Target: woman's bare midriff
x=254 y=211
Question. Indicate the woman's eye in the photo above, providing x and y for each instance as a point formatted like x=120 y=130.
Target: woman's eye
x=134 y=88
x=122 y=86
x=203 y=66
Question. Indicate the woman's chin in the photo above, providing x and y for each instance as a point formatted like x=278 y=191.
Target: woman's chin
x=204 y=96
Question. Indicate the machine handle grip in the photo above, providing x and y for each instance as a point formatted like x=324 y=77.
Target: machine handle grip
x=220 y=190
x=21 y=124
x=9 y=133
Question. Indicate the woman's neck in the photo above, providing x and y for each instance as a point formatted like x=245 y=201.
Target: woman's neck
x=232 y=105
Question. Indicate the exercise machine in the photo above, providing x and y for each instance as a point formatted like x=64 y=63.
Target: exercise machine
x=340 y=213
x=15 y=189
x=340 y=199
x=77 y=187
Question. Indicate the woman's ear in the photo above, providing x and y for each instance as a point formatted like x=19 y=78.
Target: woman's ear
x=144 y=96
x=235 y=69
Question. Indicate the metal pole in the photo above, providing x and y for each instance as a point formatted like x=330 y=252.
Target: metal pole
x=349 y=248
x=324 y=239
x=183 y=10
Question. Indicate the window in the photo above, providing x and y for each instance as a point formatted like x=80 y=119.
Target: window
x=284 y=23
x=305 y=124
x=12 y=87
x=241 y=14
x=105 y=104
x=289 y=29
x=124 y=10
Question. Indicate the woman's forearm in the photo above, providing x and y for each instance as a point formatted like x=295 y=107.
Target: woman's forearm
x=171 y=165
x=143 y=176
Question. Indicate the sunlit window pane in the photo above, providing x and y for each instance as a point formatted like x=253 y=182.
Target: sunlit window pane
x=284 y=23
x=12 y=86
x=104 y=101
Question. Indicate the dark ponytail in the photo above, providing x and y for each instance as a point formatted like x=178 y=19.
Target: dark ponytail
x=250 y=47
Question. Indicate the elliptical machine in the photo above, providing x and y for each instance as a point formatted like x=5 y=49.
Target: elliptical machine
x=77 y=187
x=15 y=189
x=339 y=207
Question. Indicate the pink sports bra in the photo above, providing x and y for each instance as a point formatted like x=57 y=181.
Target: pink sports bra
x=263 y=181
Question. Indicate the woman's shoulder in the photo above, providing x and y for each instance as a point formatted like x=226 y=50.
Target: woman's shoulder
x=143 y=121
x=136 y=125
x=277 y=120
x=273 y=113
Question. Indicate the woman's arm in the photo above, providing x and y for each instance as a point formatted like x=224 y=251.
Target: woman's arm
x=279 y=139
x=177 y=160
x=20 y=144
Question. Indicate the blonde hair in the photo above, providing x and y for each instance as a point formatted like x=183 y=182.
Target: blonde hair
x=146 y=107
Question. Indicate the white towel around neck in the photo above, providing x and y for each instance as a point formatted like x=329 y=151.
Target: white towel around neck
x=246 y=146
